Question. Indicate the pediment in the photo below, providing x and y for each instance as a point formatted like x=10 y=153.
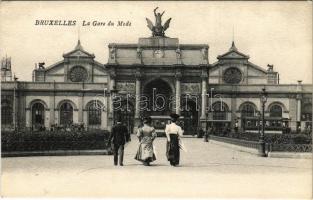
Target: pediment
x=233 y=55
x=79 y=53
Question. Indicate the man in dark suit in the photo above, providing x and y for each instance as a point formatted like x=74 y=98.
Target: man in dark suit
x=119 y=136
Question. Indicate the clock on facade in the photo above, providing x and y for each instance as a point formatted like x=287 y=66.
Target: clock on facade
x=159 y=53
x=78 y=74
x=232 y=75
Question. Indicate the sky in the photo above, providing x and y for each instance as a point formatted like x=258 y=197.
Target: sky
x=278 y=33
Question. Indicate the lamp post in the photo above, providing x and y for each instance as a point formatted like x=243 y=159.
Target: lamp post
x=263 y=99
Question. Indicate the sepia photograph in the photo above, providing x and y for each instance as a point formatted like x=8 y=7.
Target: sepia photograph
x=156 y=99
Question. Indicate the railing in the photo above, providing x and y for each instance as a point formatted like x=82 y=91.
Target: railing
x=273 y=144
x=290 y=147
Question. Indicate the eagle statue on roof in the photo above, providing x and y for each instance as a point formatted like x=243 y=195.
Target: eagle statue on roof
x=158 y=29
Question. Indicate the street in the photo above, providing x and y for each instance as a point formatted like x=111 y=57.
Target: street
x=206 y=170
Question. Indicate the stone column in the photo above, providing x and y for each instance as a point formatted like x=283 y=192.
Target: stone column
x=299 y=97
x=298 y=108
x=80 y=108
x=138 y=77
x=52 y=107
x=204 y=98
x=233 y=110
x=178 y=94
x=110 y=100
x=299 y=89
x=138 y=93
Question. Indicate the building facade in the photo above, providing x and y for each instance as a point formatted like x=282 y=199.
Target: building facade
x=155 y=76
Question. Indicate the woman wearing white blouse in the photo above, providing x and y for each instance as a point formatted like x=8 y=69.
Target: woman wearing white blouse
x=173 y=133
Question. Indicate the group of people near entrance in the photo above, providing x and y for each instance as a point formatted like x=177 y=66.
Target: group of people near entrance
x=146 y=135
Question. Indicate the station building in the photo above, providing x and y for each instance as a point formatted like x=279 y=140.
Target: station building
x=154 y=76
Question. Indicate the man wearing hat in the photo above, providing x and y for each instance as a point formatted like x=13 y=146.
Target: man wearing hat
x=173 y=133
x=119 y=136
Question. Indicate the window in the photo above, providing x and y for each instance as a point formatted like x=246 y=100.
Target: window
x=276 y=111
x=38 y=114
x=6 y=112
x=219 y=111
x=78 y=74
x=247 y=110
x=94 y=113
x=232 y=75
x=307 y=112
x=66 y=114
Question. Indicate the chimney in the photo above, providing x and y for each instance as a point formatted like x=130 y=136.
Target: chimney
x=299 y=86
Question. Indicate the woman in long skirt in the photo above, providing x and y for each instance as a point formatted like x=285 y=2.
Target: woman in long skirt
x=146 y=135
x=173 y=133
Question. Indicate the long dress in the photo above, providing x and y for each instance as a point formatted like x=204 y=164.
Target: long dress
x=173 y=133
x=145 y=152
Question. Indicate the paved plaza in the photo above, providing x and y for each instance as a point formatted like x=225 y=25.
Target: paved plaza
x=206 y=170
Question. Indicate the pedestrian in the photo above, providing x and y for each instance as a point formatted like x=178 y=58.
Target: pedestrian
x=119 y=136
x=173 y=133
x=146 y=135
x=236 y=127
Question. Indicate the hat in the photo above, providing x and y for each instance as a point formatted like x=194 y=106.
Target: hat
x=174 y=116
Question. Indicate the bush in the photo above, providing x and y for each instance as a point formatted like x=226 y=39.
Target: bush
x=54 y=140
x=271 y=138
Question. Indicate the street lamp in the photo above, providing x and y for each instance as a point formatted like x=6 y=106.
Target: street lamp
x=263 y=99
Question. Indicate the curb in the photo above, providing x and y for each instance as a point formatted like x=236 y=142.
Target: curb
x=55 y=153
x=235 y=147
x=290 y=155
x=297 y=155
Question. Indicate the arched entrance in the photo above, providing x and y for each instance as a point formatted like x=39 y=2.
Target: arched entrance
x=158 y=95
x=38 y=116
x=190 y=117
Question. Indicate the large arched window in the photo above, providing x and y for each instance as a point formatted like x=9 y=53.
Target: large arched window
x=38 y=115
x=94 y=113
x=276 y=111
x=247 y=110
x=6 y=112
x=66 y=113
x=219 y=111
